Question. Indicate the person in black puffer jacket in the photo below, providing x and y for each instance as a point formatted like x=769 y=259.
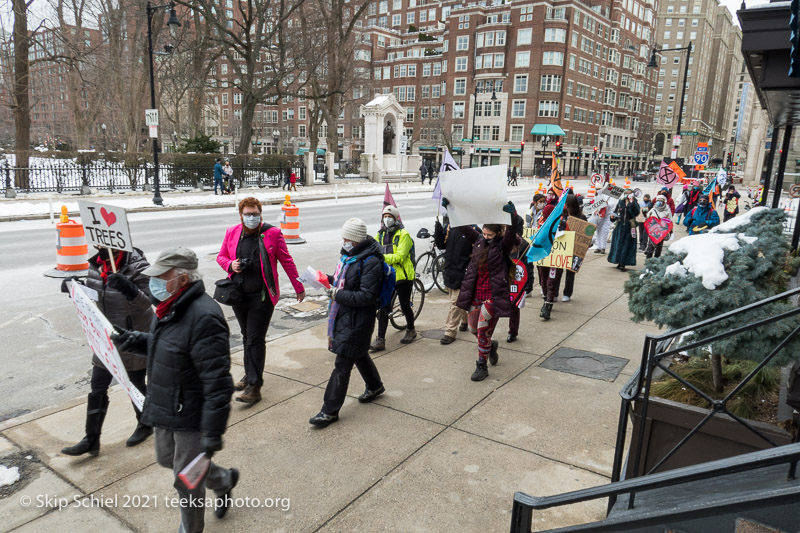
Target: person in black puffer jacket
x=188 y=365
x=355 y=289
x=457 y=251
x=124 y=298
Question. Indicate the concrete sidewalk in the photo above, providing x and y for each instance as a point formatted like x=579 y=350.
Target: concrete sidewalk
x=436 y=453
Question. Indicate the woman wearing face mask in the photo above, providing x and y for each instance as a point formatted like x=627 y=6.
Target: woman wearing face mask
x=484 y=291
x=623 y=240
x=396 y=244
x=124 y=298
x=660 y=210
x=250 y=254
x=702 y=218
x=354 y=292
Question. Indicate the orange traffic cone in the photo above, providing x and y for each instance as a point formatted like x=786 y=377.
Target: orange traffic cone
x=627 y=183
x=592 y=192
x=540 y=190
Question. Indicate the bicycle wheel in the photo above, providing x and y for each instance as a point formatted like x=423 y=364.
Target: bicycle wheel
x=424 y=270
x=396 y=317
x=438 y=273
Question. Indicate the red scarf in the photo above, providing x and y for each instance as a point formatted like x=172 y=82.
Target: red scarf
x=164 y=308
x=105 y=265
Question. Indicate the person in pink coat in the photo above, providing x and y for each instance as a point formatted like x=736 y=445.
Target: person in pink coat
x=250 y=254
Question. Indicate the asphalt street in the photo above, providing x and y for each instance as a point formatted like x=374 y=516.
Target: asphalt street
x=45 y=359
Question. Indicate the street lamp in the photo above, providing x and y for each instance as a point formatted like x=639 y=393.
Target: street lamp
x=545 y=141
x=103 y=128
x=173 y=22
x=474 y=113
x=654 y=64
x=276 y=135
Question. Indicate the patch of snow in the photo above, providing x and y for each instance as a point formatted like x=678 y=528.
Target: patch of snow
x=739 y=220
x=704 y=255
x=8 y=476
x=676 y=269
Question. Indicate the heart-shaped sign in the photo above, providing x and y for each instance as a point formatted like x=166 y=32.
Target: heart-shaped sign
x=108 y=216
x=658 y=228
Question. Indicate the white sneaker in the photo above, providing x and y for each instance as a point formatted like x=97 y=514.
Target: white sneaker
x=565 y=299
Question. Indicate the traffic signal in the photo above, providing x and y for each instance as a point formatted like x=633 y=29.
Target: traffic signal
x=794 y=39
x=558 y=147
x=522 y=146
x=595 y=148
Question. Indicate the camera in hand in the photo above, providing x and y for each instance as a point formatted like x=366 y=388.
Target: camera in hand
x=244 y=263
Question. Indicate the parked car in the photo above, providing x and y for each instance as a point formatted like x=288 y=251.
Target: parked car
x=641 y=175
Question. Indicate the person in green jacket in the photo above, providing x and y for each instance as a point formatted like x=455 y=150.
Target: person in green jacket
x=396 y=244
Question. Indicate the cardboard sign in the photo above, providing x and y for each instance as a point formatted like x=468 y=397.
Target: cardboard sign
x=584 y=231
x=613 y=191
x=677 y=169
x=106 y=225
x=98 y=332
x=594 y=207
x=476 y=195
x=517 y=287
x=658 y=228
x=562 y=252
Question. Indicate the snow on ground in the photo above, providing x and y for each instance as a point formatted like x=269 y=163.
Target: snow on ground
x=8 y=476
x=704 y=255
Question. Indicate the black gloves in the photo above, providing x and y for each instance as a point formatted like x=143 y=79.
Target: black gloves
x=123 y=285
x=509 y=207
x=445 y=202
x=211 y=444
x=130 y=341
x=65 y=287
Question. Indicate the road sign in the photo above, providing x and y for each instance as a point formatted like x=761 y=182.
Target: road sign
x=676 y=140
x=700 y=158
x=154 y=132
x=151 y=117
x=597 y=180
x=674 y=154
x=403 y=144
x=690 y=133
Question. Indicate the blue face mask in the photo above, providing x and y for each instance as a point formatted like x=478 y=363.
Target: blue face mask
x=158 y=288
x=251 y=221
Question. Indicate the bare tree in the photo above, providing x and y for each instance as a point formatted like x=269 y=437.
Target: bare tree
x=20 y=100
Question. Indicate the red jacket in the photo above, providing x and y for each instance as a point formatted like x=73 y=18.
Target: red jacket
x=276 y=251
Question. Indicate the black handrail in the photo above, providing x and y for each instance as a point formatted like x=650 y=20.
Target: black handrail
x=524 y=504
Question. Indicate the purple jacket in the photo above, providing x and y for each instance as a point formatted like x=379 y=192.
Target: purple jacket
x=498 y=262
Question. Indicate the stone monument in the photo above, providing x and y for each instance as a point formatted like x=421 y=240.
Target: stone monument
x=383 y=158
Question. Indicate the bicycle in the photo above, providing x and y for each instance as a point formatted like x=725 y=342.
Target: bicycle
x=430 y=265
x=396 y=317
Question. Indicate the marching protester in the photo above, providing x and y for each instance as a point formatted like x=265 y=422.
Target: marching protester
x=189 y=390
x=396 y=244
x=550 y=278
x=572 y=209
x=694 y=197
x=124 y=298
x=518 y=252
x=484 y=290
x=666 y=193
x=623 y=240
x=603 y=218
x=683 y=205
x=355 y=289
x=702 y=218
x=457 y=251
x=731 y=203
x=533 y=217
x=644 y=208
x=250 y=254
x=660 y=210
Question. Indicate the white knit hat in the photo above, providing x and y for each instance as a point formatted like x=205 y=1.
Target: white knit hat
x=354 y=230
x=391 y=211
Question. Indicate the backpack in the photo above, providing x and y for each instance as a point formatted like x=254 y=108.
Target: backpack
x=388 y=282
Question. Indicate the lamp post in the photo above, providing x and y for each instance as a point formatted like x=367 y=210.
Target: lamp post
x=173 y=22
x=654 y=64
x=578 y=167
x=276 y=135
x=545 y=142
x=103 y=129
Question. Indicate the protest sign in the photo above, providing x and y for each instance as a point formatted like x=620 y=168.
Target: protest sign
x=562 y=252
x=583 y=240
x=594 y=207
x=98 y=332
x=517 y=287
x=106 y=225
x=475 y=195
x=612 y=190
x=666 y=175
x=657 y=228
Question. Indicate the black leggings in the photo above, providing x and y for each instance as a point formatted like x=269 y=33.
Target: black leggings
x=403 y=289
x=254 y=315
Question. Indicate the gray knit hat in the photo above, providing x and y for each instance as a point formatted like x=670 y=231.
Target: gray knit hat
x=354 y=230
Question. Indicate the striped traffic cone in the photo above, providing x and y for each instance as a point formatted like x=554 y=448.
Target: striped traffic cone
x=540 y=189
x=592 y=193
x=627 y=183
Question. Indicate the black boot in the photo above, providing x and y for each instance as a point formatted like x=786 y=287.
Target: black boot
x=96 y=409
x=141 y=432
x=546 y=308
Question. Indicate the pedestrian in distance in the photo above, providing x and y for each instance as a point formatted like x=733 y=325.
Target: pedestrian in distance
x=293 y=182
x=250 y=254
x=227 y=171
x=572 y=208
x=623 y=240
x=287 y=177
x=457 y=252
x=218 y=174
x=124 y=298
x=423 y=171
x=354 y=294
x=397 y=247
x=189 y=390
x=659 y=210
x=731 y=203
x=484 y=291
x=431 y=172
x=513 y=180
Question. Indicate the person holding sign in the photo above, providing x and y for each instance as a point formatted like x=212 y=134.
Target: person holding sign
x=623 y=239
x=250 y=254
x=572 y=209
x=189 y=367
x=122 y=295
x=660 y=211
x=484 y=291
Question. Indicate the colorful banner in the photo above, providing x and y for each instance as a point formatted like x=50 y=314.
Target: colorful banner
x=666 y=175
x=542 y=243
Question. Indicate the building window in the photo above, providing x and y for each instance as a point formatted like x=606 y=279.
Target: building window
x=461 y=64
x=518 y=109
x=460 y=87
x=524 y=36
x=523 y=60
x=458 y=109
x=550 y=83
x=462 y=43
x=567 y=112
x=553 y=58
x=555 y=35
x=521 y=83
x=517 y=133
x=548 y=108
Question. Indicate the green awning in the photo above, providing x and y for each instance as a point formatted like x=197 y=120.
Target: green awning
x=494 y=150
x=515 y=151
x=547 y=129
x=302 y=151
x=427 y=148
x=457 y=150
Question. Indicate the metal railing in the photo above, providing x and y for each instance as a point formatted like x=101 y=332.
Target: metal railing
x=659 y=347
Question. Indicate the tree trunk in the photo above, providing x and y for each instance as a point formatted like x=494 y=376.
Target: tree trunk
x=248 y=111
x=21 y=102
x=716 y=372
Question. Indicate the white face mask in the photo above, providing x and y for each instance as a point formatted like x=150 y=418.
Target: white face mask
x=347 y=246
x=540 y=205
x=251 y=221
x=388 y=221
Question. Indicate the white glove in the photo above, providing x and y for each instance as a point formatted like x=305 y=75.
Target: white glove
x=332 y=293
